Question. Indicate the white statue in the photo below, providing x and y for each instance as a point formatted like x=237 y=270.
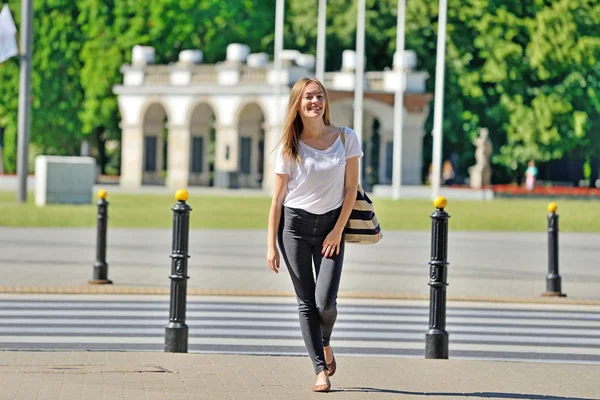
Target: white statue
x=480 y=174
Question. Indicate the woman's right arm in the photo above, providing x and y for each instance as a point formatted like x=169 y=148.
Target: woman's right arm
x=279 y=190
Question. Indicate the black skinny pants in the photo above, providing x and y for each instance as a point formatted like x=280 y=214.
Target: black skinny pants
x=301 y=235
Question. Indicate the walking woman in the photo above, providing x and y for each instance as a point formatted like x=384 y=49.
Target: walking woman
x=315 y=183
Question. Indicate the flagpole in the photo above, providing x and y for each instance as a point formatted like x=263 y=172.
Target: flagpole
x=439 y=101
x=279 y=22
x=321 y=37
x=24 y=124
x=359 y=78
x=399 y=103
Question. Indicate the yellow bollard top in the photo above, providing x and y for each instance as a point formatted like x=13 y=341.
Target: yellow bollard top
x=182 y=195
x=102 y=194
x=552 y=207
x=440 y=202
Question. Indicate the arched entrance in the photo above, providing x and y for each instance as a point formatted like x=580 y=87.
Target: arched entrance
x=155 y=139
x=202 y=146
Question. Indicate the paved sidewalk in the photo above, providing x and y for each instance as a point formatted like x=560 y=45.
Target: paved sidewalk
x=129 y=375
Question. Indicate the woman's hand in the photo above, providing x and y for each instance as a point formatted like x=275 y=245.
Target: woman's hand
x=331 y=244
x=273 y=259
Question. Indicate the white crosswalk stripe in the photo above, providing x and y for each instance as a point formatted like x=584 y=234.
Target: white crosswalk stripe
x=501 y=331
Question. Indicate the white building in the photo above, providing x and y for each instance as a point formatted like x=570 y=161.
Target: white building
x=187 y=123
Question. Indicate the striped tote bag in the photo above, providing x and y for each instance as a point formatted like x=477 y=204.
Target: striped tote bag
x=362 y=226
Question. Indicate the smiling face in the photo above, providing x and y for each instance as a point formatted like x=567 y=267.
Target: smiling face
x=312 y=102
x=308 y=101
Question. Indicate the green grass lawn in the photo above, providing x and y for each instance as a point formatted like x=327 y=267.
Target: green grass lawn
x=234 y=212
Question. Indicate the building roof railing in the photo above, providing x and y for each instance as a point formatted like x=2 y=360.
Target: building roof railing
x=244 y=69
x=177 y=75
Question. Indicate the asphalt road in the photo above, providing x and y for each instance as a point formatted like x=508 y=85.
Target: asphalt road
x=482 y=264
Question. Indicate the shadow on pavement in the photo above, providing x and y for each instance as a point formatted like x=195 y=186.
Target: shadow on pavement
x=485 y=395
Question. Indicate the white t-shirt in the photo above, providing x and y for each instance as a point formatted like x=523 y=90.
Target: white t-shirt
x=316 y=183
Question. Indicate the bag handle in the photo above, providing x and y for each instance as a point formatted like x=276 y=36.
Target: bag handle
x=343 y=136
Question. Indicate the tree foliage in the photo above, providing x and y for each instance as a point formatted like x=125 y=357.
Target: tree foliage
x=559 y=111
x=55 y=88
x=526 y=70
x=79 y=47
x=113 y=27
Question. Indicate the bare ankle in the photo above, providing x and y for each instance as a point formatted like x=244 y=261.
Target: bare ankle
x=323 y=375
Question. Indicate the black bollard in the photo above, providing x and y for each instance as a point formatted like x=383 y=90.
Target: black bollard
x=176 y=332
x=553 y=280
x=436 y=340
x=100 y=274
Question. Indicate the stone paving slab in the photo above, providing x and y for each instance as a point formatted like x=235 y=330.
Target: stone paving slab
x=147 y=375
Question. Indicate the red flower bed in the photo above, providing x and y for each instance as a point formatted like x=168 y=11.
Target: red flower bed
x=542 y=191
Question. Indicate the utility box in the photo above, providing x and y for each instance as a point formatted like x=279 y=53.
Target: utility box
x=64 y=180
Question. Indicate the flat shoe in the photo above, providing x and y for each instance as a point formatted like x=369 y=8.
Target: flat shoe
x=326 y=387
x=331 y=367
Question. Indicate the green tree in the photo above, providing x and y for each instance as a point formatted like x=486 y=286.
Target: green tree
x=559 y=112
x=112 y=28
x=55 y=89
x=421 y=36
x=380 y=22
x=9 y=103
x=209 y=25
x=528 y=71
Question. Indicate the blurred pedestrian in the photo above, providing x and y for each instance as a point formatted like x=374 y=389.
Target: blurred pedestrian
x=531 y=175
x=448 y=172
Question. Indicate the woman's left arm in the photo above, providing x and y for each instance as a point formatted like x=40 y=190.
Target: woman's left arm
x=331 y=244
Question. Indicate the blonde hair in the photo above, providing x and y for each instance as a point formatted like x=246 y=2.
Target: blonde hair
x=293 y=124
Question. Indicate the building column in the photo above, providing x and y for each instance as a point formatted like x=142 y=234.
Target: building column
x=178 y=159
x=132 y=156
x=412 y=149
x=227 y=156
x=249 y=129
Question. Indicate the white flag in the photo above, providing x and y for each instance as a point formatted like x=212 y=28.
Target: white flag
x=8 y=38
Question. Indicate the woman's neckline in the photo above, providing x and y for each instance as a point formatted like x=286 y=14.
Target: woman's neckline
x=323 y=150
